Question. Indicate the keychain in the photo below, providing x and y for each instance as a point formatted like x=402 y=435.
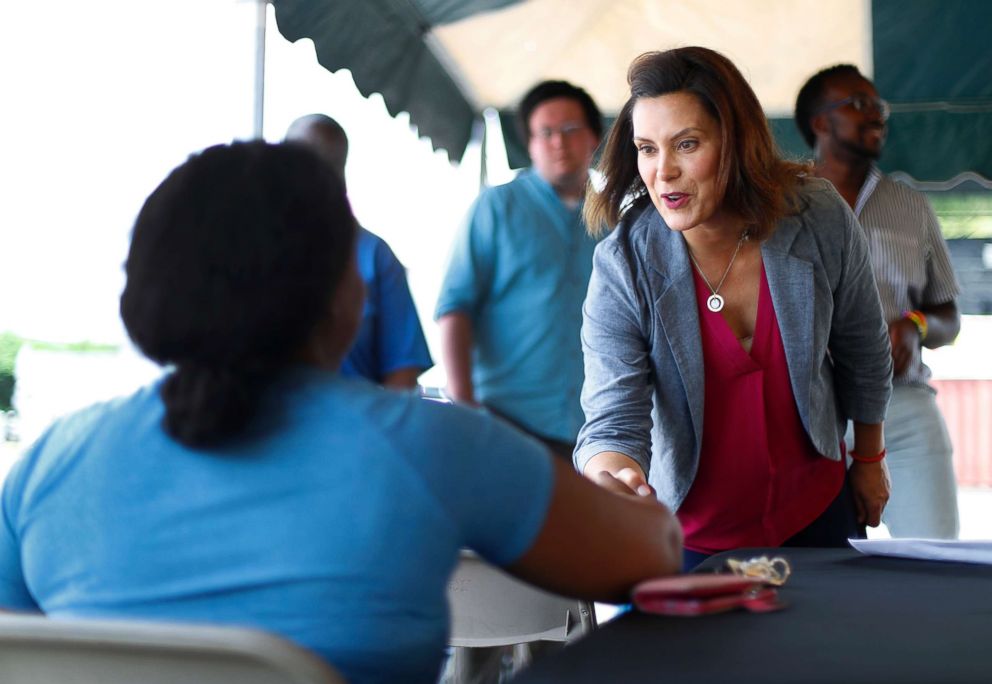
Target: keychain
x=774 y=571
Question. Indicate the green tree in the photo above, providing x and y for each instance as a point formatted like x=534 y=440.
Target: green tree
x=9 y=345
x=964 y=214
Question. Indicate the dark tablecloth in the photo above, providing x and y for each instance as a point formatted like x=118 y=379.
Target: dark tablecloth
x=850 y=619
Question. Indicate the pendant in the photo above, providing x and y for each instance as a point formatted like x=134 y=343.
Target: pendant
x=715 y=303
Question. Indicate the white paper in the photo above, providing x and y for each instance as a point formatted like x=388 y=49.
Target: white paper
x=970 y=551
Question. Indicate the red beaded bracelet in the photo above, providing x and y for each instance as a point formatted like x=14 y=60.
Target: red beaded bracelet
x=867 y=459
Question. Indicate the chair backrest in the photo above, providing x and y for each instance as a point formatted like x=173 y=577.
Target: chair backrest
x=491 y=608
x=39 y=650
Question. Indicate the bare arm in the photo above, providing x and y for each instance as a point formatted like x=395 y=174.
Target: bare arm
x=943 y=325
x=869 y=481
x=597 y=545
x=401 y=378
x=456 y=355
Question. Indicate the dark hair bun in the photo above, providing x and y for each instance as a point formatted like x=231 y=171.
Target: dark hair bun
x=204 y=404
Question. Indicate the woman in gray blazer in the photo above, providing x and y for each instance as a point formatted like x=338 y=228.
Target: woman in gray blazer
x=732 y=326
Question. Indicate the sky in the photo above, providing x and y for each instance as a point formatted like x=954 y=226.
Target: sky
x=102 y=100
x=94 y=117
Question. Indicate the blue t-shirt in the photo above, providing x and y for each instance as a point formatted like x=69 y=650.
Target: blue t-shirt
x=335 y=522
x=519 y=269
x=390 y=336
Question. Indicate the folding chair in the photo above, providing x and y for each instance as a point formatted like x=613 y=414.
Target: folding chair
x=491 y=608
x=39 y=650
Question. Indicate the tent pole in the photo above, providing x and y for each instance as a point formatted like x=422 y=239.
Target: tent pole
x=260 y=19
x=484 y=157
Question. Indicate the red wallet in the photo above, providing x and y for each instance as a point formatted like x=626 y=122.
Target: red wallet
x=704 y=594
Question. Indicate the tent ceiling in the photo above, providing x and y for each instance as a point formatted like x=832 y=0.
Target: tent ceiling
x=444 y=61
x=499 y=55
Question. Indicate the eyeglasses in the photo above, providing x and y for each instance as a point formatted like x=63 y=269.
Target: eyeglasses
x=861 y=103
x=565 y=131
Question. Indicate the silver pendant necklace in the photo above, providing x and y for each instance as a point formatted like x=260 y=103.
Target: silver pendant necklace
x=715 y=302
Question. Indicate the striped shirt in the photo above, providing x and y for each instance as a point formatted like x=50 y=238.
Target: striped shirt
x=909 y=256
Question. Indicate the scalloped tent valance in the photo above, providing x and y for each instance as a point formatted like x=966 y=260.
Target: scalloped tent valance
x=445 y=61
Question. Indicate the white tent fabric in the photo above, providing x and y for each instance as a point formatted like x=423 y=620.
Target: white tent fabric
x=446 y=61
x=777 y=44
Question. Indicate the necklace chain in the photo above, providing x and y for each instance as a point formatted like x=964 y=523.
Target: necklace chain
x=716 y=290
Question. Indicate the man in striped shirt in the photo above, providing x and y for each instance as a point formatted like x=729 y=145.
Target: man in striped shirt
x=841 y=116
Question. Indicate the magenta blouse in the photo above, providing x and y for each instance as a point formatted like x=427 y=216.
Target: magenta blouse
x=760 y=481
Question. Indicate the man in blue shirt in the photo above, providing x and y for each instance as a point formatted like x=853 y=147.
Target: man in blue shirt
x=510 y=308
x=390 y=348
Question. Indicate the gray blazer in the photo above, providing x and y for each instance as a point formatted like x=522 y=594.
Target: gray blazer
x=643 y=391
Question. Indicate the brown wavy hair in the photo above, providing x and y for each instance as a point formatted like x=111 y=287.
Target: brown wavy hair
x=756 y=183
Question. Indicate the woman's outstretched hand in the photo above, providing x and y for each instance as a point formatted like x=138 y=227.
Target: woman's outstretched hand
x=628 y=481
x=618 y=473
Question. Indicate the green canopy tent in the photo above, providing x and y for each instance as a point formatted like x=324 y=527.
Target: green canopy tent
x=446 y=61
x=933 y=62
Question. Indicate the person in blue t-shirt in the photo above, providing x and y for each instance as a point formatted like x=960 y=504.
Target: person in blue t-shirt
x=390 y=348
x=253 y=485
x=510 y=307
